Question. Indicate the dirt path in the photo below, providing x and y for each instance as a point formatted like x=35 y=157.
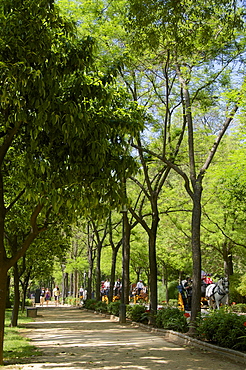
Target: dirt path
x=71 y=339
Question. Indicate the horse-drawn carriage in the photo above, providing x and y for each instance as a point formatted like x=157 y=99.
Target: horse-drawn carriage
x=140 y=295
x=212 y=295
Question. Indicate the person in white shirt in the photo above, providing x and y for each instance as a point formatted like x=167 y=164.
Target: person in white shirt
x=56 y=294
x=139 y=286
x=106 y=287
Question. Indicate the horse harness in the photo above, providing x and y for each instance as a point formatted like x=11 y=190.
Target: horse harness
x=219 y=290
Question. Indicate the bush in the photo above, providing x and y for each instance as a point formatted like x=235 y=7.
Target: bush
x=239 y=307
x=171 y=303
x=137 y=313
x=72 y=301
x=90 y=304
x=171 y=318
x=224 y=329
x=28 y=302
x=101 y=306
x=113 y=308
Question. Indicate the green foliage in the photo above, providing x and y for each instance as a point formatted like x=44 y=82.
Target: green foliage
x=90 y=304
x=242 y=287
x=224 y=329
x=171 y=303
x=28 y=302
x=136 y=313
x=101 y=306
x=114 y=308
x=237 y=308
x=72 y=301
x=183 y=26
x=171 y=319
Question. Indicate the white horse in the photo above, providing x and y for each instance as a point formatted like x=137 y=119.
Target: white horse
x=218 y=293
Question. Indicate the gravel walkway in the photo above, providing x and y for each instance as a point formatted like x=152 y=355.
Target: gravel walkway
x=72 y=339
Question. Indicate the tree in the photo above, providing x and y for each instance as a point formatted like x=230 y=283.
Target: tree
x=184 y=39
x=63 y=119
x=224 y=214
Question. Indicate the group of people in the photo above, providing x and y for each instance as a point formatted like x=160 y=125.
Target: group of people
x=186 y=288
x=134 y=288
x=105 y=288
x=45 y=295
x=82 y=295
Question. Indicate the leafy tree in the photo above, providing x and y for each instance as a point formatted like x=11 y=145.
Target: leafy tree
x=67 y=123
x=224 y=214
x=184 y=39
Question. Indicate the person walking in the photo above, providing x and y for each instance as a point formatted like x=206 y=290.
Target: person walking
x=56 y=294
x=42 y=295
x=47 y=296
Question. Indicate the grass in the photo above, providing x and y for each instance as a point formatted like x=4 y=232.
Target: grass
x=16 y=348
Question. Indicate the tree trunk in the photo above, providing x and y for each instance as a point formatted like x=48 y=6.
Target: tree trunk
x=75 y=284
x=126 y=258
x=24 y=289
x=152 y=258
x=112 y=275
x=165 y=282
x=98 y=272
x=196 y=255
x=227 y=257
x=8 y=302
x=3 y=286
x=90 y=260
x=153 y=275
x=15 y=312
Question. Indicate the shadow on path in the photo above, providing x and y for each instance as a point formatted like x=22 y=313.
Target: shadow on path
x=70 y=338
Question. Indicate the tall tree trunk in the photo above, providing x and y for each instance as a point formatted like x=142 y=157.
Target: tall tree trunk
x=165 y=281
x=152 y=258
x=196 y=254
x=15 y=311
x=90 y=271
x=24 y=289
x=98 y=272
x=126 y=258
x=3 y=286
x=153 y=274
x=113 y=266
x=75 y=286
x=8 y=302
x=71 y=284
x=227 y=257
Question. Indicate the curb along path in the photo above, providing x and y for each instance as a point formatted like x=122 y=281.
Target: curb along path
x=71 y=339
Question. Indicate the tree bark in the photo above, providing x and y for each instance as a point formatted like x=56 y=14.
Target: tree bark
x=15 y=311
x=89 y=281
x=196 y=255
x=3 y=286
x=98 y=272
x=126 y=257
x=24 y=288
x=8 y=303
x=113 y=265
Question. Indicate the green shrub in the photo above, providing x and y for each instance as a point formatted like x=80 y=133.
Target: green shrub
x=171 y=318
x=173 y=290
x=72 y=301
x=113 y=308
x=90 y=304
x=28 y=302
x=224 y=329
x=171 y=303
x=239 y=307
x=136 y=313
x=101 y=306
